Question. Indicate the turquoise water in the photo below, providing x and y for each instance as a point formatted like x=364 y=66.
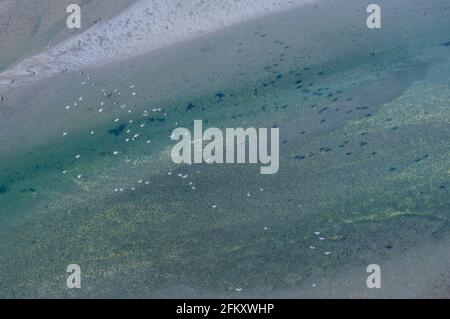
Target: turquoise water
x=364 y=129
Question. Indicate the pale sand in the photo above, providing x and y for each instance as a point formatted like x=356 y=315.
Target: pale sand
x=143 y=27
x=31 y=27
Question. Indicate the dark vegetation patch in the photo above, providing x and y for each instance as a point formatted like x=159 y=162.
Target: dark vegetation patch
x=118 y=130
x=3 y=189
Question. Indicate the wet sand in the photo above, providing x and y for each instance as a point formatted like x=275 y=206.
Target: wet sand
x=142 y=27
x=30 y=27
x=363 y=117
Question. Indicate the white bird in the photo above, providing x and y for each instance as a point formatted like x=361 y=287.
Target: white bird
x=115 y=153
x=77 y=156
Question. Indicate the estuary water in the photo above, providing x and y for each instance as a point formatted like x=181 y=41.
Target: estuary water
x=86 y=175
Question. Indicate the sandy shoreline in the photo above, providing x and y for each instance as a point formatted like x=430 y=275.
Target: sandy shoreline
x=141 y=28
x=31 y=27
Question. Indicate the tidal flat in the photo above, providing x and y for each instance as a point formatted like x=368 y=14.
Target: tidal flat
x=364 y=178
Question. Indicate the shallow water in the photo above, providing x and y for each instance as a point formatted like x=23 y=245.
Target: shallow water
x=364 y=124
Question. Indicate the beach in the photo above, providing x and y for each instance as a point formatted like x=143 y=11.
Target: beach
x=364 y=177
x=141 y=27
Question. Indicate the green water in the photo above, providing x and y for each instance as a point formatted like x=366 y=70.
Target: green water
x=364 y=130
